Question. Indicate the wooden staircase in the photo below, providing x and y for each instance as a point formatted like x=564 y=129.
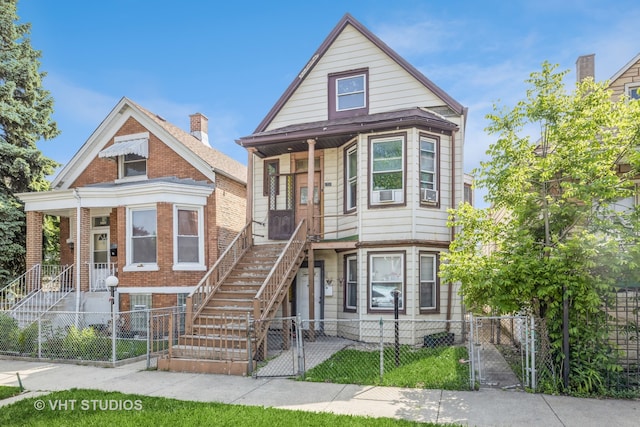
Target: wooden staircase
x=220 y=334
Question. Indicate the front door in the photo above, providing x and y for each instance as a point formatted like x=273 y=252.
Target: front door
x=100 y=265
x=302 y=192
x=281 y=221
x=302 y=297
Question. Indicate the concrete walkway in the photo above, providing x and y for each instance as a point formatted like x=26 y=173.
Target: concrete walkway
x=488 y=407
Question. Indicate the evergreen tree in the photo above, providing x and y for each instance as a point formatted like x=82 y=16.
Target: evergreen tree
x=25 y=117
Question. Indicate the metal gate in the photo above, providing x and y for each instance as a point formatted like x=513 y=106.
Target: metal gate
x=502 y=352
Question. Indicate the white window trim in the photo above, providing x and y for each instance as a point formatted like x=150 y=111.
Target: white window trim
x=189 y=266
x=363 y=91
x=629 y=86
x=398 y=193
x=122 y=178
x=149 y=266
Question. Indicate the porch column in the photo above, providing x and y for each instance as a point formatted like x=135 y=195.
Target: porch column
x=83 y=241
x=34 y=239
x=310 y=186
x=249 y=215
x=310 y=229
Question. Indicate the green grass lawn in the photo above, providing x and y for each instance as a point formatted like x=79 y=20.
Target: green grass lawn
x=8 y=391
x=437 y=368
x=158 y=411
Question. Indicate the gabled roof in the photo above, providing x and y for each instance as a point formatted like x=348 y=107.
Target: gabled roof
x=624 y=69
x=347 y=19
x=207 y=160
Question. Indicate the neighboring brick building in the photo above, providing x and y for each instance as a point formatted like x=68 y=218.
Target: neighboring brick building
x=157 y=205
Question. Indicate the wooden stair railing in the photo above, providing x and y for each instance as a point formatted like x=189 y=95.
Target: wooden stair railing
x=273 y=290
x=212 y=280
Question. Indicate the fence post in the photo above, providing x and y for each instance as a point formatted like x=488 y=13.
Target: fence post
x=381 y=349
x=39 y=338
x=249 y=355
x=471 y=353
x=299 y=348
x=534 y=386
x=148 y=338
x=113 y=335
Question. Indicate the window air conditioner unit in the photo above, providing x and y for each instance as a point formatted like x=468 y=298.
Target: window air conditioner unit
x=386 y=196
x=429 y=196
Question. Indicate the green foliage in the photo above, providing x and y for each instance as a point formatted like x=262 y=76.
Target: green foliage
x=434 y=368
x=159 y=411
x=554 y=230
x=25 y=118
x=8 y=332
x=8 y=391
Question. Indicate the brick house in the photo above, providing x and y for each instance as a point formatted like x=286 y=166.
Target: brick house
x=142 y=200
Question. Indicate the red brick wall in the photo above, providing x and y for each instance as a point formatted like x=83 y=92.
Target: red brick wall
x=34 y=238
x=231 y=212
x=163 y=161
x=224 y=216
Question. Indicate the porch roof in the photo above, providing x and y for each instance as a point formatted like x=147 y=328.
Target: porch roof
x=334 y=133
x=138 y=146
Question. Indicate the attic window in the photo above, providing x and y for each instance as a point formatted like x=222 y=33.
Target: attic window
x=349 y=94
x=131 y=152
x=633 y=90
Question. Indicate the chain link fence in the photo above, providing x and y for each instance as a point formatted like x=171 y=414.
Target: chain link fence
x=103 y=338
x=383 y=351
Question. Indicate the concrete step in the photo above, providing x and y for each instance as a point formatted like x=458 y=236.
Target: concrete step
x=204 y=366
x=208 y=353
x=222 y=344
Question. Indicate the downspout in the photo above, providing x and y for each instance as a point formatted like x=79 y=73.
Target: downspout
x=452 y=205
x=77 y=246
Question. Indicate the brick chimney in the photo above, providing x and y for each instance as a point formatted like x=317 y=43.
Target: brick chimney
x=586 y=67
x=200 y=127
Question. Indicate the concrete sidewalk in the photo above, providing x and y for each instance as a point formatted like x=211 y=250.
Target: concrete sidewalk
x=488 y=407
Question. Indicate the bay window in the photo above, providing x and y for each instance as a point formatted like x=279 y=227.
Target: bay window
x=351 y=283
x=142 y=235
x=428 y=170
x=428 y=282
x=386 y=275
x=188 y=239
x=387 y=171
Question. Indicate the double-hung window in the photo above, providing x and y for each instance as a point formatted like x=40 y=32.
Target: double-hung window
x=133 y=165
x=351 y=179
x=142 y=236
x=348 y=93
x=351 y=283
x=428 y=282
x=633 y=90
x=387 y=170
x=386 y=276
x=428 y=170
x=188 y=239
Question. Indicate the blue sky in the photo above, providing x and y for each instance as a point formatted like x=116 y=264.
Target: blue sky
x=232 y=60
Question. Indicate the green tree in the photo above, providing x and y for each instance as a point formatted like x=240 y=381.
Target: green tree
x=25 y=117
x=556 y=231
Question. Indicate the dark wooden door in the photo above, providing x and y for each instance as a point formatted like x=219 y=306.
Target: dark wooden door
x=281 y=206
